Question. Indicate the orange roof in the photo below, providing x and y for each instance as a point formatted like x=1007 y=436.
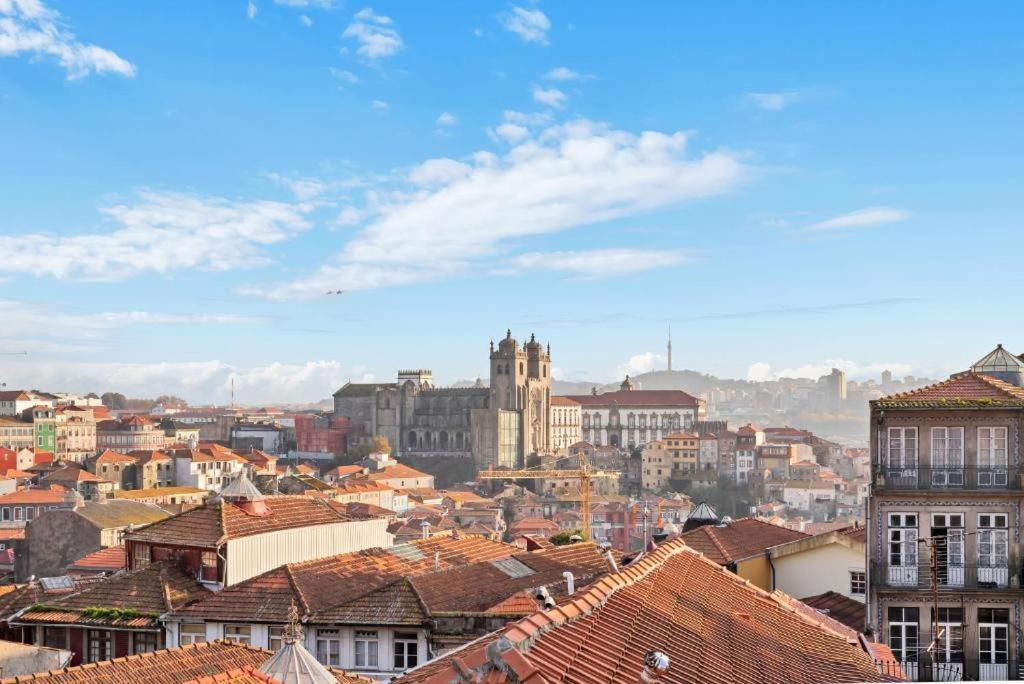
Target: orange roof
x=214 y=523
x=967 y=388
x=564 y=401
x=168 y=666
x=110 y=456
x=714 y=626
x=17 y=475
x=72 y=474
x=345 y=470
x=33 y=496
x=104 y=560
x=399 y=470
x=673 y=398
x=533 y=524
x=738 y=540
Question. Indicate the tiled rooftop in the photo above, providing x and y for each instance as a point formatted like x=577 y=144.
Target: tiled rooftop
x=217 y=521
x=637 y=398
x=739 y=539
x=107 y=559
x=150 y=593
x=169 y=666
x=963 y=389
x=840 y=608
x=715 y=628
x=326 y=588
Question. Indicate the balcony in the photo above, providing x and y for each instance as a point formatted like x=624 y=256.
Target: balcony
x=954 y=578
x=955 y=669
x=962 y=478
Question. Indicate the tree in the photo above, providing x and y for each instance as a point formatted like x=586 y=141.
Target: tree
x=377 y=445
x=114 y=400
x=565 y=537
x=171 y=401
x=380 y=445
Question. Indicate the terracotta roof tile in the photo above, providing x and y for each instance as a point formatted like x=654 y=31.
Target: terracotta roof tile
x=967 y=388
x=840 y=608
x=739 y=539
x=637 y=398
x=105 y=560
x=325 y=588
x=217 y=521
x=169 y=666
x=714 y=626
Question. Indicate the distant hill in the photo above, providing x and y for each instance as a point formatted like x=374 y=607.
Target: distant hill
x=687 y=380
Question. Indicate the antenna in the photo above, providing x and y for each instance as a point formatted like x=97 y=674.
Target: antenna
x=232 y=391
x=670 y=348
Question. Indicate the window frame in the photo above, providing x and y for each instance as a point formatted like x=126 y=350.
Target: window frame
x=402 y=641
x=367 y=638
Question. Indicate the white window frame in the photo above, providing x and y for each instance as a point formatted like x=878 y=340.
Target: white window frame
x=993 y=548
x=901 y=532
x=993 y=454
x=402 y=641
x=947 y=453
x=369 y=658
x=901 y=455
x=858 y=578
x=328 y=647
x=902 y=626
x=191 y=633
x=238 y=632
x=989 y=634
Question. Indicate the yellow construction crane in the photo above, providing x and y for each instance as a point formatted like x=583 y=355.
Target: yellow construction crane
x=585 y=473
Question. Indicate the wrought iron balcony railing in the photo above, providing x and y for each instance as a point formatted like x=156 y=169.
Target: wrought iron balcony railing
x=985 y=478
x=947 y=576
x=953 y=668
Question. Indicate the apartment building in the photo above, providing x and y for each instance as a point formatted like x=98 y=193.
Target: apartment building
x=944 y=523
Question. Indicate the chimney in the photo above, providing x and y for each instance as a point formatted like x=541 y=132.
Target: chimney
x=425 y=528
x=437 y=560
x=606 y=548
x=570 y=582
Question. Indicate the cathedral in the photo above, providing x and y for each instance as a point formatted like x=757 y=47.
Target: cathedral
x=498 y=425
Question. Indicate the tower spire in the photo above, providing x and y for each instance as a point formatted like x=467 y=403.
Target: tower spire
x=670 y=348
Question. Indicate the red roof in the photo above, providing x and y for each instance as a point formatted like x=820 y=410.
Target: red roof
x=675 y=398
x=564 y=401
x=739 y=539
x=33 y=496
x=110 y=456
x=109 y=559
x=713 y=626
x=964 y=388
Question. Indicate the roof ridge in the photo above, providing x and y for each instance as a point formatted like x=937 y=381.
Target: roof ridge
x=710 y=533
x=295 y=588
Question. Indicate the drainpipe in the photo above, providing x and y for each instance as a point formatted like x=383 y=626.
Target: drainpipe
x=768 y=556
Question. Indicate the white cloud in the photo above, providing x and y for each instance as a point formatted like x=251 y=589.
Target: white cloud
x=531 y=25
x=162 y=232
x=305 y=20
x=553 y=97
x=29 y=27
x=564 y=74
x=349 y=216
x=344 y=75
x=854 y=370
x=380 y=104
x=511 y=132
x=447 y=119
x=525 y=119
x=597 y=263
x=198 y=381
x=640 y=363
x=374 y=34
x=774 y=102
x=29 y=321
x=251 y=10
x=872 y=216
x=452 y=215
x=304 y=188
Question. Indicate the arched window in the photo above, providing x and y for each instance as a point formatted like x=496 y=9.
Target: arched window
x=544 y=371
x=520 y=367
x=412 y=439
x=499 y=370
x=507 y=371
x=443 y=440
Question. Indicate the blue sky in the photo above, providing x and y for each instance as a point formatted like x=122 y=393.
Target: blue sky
x=789 y=185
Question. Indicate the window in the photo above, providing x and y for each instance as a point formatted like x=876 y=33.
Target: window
x=903 y=549
x=275 y=637
x=991 y=457
x=30 y=512
x=947 y=456
x=208 y=567
x=17 y=512
x=141 y=555
x=903 y=633
x=993 y=549
x=144 y=642
x=949 y=642
x=328 y=647
x=241 y=634
x=55 y=637
x=366 y=649
x=5 y=513
x=857 y=582
x=992 y=641
x=98 y=645
x=902 y=448
x=406 y=650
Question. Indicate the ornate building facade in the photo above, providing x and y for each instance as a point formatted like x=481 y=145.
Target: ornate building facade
x=497 y=424
x=944 y=524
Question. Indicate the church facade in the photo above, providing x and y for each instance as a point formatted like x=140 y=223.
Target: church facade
x=498 y=425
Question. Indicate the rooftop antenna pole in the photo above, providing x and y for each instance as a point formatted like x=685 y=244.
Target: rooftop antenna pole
x=670 y=348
